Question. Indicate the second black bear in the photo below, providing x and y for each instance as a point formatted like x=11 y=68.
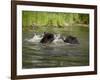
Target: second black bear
x=71 y=40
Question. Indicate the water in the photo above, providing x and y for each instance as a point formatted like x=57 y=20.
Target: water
x=37 y=55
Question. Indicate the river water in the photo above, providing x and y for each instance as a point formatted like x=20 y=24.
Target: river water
x=37 y=55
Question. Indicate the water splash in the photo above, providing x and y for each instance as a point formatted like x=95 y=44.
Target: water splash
x=58 y=39
x=36 y=38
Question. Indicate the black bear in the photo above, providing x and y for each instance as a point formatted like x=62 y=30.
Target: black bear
x=47 y=38
x=71 y=40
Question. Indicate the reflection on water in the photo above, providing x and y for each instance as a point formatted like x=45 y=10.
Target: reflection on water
x=37 y=55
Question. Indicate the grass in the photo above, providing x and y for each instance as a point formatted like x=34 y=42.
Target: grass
x=42 y=21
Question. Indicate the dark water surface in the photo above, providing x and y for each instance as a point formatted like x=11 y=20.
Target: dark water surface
x=36 y=55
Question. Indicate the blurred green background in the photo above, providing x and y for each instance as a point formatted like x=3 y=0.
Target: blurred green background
x=52 y=21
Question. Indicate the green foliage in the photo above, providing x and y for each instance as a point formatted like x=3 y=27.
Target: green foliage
x=34 y=20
